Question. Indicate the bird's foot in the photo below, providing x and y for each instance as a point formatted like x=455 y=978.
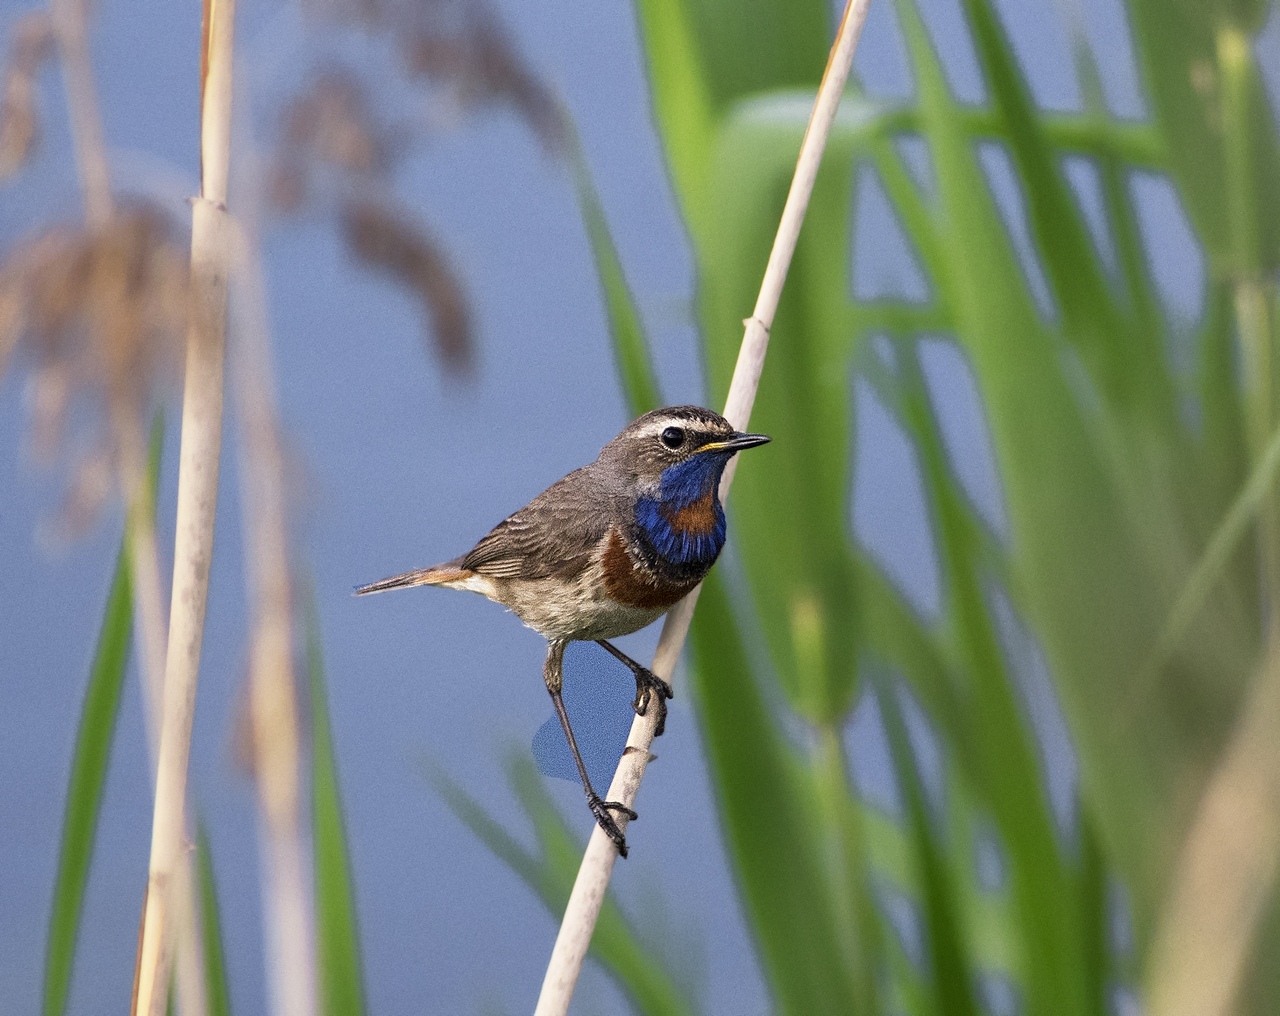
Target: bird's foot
x=600 y=809
x=649 y=684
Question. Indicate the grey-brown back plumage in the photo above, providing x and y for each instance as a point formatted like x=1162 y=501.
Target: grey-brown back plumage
x=554 y=535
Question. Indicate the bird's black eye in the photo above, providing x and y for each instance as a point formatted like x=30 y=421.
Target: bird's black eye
x=673 y=437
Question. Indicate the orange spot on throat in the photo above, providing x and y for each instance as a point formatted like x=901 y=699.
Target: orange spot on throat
x=696 y=519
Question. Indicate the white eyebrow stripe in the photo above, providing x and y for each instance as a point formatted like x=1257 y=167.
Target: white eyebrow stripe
x=692 y=424
x=658 y=426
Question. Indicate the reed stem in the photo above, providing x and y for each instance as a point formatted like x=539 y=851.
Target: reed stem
x=273 y=705
x=1228 y=867
x=1229 y=862
x=201 y=448
x=82 y=105
x=592 y=882
x=144 y=567
x=70 y=24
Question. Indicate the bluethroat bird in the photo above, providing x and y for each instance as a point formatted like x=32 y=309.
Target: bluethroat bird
x=606 y=551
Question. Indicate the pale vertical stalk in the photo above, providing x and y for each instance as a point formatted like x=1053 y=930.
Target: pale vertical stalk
x=144 y=560
x=99 y=206
x=144 y=570
x=273 y=707
x=197 y=500
x=1227 y=869
x=95 y=184
x=592 y=882
x=82 y=104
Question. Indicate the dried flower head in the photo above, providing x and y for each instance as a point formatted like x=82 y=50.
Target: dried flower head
x=31 y=45
x=460 y=45
x=478 y=60
x=389 y=241
x=329 y=124
x=100 y=315
x=455 y=46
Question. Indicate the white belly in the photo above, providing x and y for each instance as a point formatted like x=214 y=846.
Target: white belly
x=570 y=611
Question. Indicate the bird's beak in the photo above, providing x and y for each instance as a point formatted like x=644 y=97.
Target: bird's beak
x=736 y=443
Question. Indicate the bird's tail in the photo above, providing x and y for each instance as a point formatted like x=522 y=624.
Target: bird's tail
x=437 y=575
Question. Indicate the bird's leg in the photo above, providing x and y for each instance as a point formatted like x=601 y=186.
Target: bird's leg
x=553 y=674
x=647 y=684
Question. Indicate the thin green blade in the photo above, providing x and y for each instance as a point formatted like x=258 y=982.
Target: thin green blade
x=630 y=344
x=953 y=979
x=89 y=769
x=768 y=811
x=337 y=937
x=84 y=793
x=215 y=967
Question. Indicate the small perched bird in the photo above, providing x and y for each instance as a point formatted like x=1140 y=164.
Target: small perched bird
x=606 y=551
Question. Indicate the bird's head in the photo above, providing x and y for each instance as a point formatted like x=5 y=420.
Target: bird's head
x=678 y=454
x=676 y=457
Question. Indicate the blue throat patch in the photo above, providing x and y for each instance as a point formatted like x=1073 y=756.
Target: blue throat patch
x=683 y=486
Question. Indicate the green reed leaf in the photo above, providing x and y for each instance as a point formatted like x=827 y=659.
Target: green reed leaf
x=91 y=756
x=337 y=930
x=769 y=812
x=215 y=967
x=948 y=953
x=1072 y=551
x=1194 y=54
x=1209 y=570
x=84 y=793
x=630 y=344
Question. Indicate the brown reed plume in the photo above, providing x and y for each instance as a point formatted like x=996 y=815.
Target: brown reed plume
x=338 y=153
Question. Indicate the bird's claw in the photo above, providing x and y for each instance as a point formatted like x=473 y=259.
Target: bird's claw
x=600 y=809
x=647 y=684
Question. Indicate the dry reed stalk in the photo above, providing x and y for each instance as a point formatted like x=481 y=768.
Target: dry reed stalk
x=592 y=882
x=144 y=570
x=273 y=709
x=99 y=206
x=1227 y=870
x=71 y=30
x=197 y=501
x=82 y=104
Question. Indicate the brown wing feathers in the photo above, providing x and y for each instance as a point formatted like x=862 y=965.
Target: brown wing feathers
x=555 y=534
